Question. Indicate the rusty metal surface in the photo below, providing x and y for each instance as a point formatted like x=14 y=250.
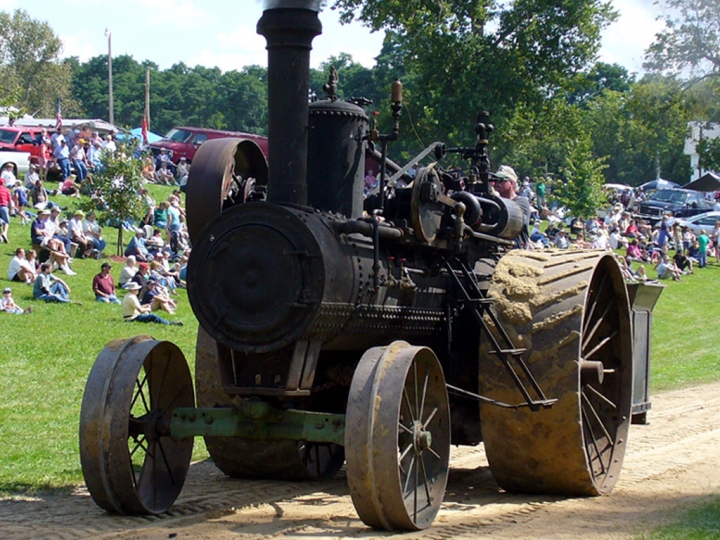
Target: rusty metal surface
x=397 y=437
x=221 y=176
x=566 y=308
x=243 y=458
x=129 y=462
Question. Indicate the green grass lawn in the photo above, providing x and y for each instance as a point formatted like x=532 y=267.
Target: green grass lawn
x=48 y=354
x=45 y=361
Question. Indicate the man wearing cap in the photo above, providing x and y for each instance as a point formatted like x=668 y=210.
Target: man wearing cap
x=133 y=311
x=505 y=183
x=104 y=286
x=79 y=160
x=141 y=277
x=39 y=234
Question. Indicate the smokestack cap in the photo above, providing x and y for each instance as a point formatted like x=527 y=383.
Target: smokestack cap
x=312 y=5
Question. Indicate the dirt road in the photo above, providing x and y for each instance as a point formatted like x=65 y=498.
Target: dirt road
x=671 y=463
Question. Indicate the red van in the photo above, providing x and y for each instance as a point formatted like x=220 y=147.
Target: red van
x=184 y=141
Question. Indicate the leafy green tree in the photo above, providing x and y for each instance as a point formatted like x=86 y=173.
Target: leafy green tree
x=465 y=56
x=30 y=68
x=690 y=41
x=580 y=190
x=115 y=198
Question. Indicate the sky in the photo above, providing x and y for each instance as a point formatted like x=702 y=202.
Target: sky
x=222 y=32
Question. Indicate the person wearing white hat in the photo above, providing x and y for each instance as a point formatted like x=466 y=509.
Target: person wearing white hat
x=133 y=311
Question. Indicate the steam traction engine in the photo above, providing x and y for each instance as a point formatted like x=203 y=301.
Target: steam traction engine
x=330 y=335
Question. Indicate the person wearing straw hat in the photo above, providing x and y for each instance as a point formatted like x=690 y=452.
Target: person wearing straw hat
x=133 y=311
x=77 y=234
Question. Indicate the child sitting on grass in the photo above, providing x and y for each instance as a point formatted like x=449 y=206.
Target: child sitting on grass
x=8 y=305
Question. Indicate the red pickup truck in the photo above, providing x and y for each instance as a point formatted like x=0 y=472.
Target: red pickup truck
x=20 y=138
x=184 y=141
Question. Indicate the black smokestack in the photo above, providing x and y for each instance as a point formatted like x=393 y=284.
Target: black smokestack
x=289 y=27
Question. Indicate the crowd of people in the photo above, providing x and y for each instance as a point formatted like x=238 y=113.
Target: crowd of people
x=156 y=255
x=671 y=249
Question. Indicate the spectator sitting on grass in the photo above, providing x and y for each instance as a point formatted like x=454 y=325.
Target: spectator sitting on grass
x=8 y=305
x=93 y=231
x=666 y=269
x=133 y=311
x=156 y=297
x=50 y=288
x=683 y=262
x=20 y=269
x=104 y=286
x=137 y=248
x=128 y=272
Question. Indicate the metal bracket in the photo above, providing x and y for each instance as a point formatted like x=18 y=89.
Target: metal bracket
x=259 y=421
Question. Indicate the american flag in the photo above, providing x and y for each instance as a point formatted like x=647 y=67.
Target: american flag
x=58 y=116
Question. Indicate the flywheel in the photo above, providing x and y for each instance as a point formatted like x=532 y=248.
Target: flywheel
x=570 y=311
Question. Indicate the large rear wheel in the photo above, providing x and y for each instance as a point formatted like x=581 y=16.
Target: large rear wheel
x=570 y=310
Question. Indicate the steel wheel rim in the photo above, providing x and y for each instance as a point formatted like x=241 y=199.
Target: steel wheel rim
x=398 y=437
x=130 y=463
x=605 y=380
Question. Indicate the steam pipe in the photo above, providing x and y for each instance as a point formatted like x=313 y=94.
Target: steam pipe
x=289 y=26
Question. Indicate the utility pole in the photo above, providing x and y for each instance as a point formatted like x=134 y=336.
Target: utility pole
x=147 y=98
x=110 y=81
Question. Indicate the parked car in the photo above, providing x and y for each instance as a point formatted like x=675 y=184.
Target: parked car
x=673 y=202
x=184 y=141
x=699 y=222
x=19 y=160
x=20 y=138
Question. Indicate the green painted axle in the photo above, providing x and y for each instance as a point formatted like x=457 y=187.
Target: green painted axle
x=259 y=421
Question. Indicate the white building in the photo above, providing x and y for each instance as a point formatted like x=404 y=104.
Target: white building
x=696 y=132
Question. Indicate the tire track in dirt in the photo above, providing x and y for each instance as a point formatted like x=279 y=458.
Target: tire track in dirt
x=669 y=463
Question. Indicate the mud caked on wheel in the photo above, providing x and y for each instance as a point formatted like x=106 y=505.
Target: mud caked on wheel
x=244 y=458
x=397 y=437
x=570 y=311
x=130 y=463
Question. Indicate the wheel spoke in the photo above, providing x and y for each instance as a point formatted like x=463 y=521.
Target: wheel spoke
x=405 y=428
x=405 y=453
x=407 y=403
x=591 y=333
x=593 y=441
x=429 y=418
x=596 y=295
x=139 y=393
x=168 y=468
x=600 y=345
x=424 y=392
x=433 y=452
x=426 y=482
x=599 y=422
x=600 y=396
x=408 y=476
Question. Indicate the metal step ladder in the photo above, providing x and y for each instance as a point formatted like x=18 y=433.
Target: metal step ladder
x=480 y=305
